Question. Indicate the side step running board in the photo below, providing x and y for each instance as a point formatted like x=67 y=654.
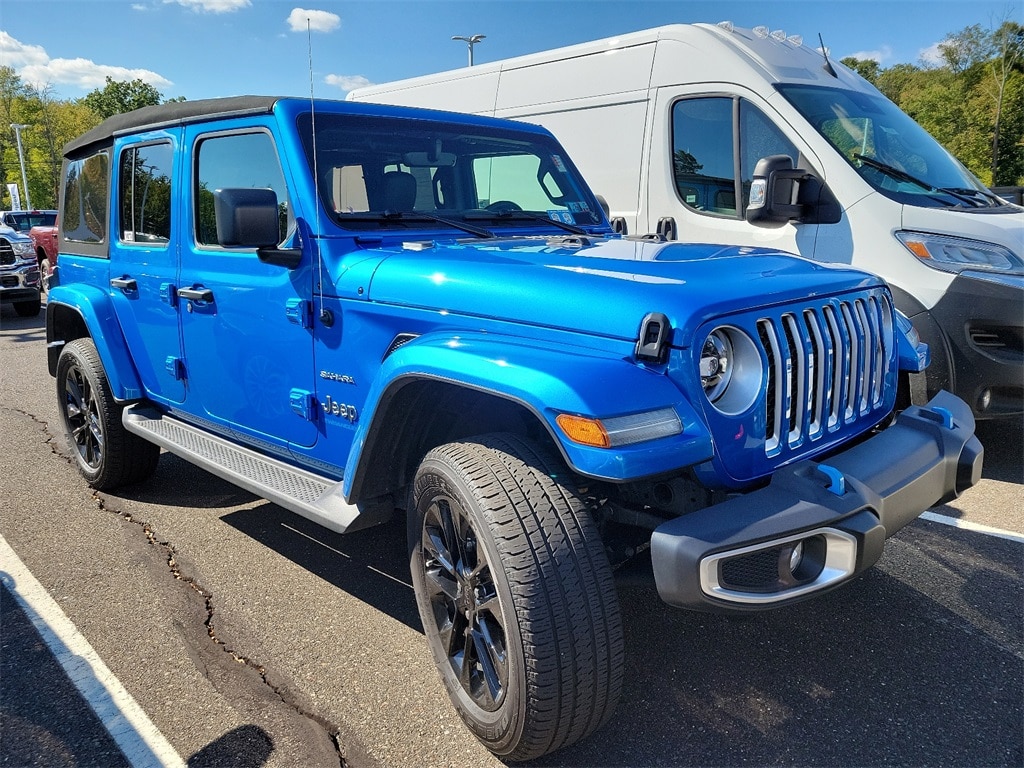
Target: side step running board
x=313 y=496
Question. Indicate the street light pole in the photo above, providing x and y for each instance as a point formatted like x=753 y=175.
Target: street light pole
x=16 y=127
x=470 y=42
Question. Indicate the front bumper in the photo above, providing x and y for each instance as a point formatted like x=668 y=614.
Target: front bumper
x=19 y=282
x=976 y=333
x=817 y=525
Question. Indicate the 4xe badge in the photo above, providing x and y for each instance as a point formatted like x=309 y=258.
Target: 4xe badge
x=334 y=408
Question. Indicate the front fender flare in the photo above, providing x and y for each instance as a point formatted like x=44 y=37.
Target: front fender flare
x=546 y=381
x=96 y=312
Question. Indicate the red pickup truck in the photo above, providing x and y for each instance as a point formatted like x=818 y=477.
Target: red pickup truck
x=44 y=239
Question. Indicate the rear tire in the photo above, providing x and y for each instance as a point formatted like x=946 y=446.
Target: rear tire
x=516 y=595
x=107 y=454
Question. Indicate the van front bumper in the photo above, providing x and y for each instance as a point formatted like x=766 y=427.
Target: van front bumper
x=976 y=336
x=818 y=525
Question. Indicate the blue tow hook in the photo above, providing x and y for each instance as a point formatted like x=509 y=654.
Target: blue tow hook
x=837 y=483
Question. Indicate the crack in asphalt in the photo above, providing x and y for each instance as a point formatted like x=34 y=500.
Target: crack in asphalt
x=333 y=731
x=207 y=597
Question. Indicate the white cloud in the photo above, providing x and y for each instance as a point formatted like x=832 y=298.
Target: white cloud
x=319 y=21
x=931 y=55
x=881 y=56
x=37 y=69
x=14 y=53
x=347 y=82
x=86 y=74
x=213 y=6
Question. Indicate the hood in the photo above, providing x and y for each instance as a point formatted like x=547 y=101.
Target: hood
x=600 y=286
x=1003 y=227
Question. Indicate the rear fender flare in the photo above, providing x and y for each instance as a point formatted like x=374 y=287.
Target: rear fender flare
x=96 y=312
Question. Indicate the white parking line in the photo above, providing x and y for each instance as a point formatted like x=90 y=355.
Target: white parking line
x=968 y=526
x=124 y=720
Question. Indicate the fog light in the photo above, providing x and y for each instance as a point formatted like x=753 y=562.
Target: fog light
x=984 y=399
x=796 y=557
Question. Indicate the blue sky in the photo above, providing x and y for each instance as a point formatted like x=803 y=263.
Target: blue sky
x=206 y=48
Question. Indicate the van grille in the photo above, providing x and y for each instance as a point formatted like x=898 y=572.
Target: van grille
x=826 y=368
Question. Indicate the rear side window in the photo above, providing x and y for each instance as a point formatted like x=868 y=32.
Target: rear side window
x=237 y=161
x=86 y=184
x=716 y=143
x=145 y=194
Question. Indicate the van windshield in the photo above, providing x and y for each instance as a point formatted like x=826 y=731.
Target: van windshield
x=379 y=172
x=890 y=151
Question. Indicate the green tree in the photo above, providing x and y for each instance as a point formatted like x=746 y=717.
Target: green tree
x=1007 y=56
x=869 y=69
x=58 y=123
x=898 y=79
x=119 y=96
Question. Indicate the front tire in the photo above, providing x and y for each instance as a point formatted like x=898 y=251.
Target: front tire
x=107 y=454
x=515 y=594
x=44 y=275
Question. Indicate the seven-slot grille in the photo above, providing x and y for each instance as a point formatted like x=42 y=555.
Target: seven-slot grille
x=826 y=367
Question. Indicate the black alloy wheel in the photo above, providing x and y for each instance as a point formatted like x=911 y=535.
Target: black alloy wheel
x=515 y=593
x=464 y=602
x=107 y=454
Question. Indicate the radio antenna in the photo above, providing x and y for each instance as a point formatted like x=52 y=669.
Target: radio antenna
x=325 y=315
x=828 y=64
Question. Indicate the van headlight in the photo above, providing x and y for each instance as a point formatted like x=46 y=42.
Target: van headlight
x=957 y=254
x=730 y=369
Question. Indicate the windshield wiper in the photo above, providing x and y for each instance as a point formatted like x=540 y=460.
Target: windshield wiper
x=900 y=175
x=417 y=216
x=532 y=216
x=992 y=197
x=478 y=231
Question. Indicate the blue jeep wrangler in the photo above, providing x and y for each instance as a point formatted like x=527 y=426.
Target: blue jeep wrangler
x=350 y=309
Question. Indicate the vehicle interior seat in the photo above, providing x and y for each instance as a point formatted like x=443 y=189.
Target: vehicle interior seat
x=399 y=191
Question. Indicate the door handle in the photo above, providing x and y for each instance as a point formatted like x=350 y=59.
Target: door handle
x=202 y=295
x=124 y=283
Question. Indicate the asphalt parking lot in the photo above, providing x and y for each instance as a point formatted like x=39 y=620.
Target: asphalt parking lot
x=248 y=636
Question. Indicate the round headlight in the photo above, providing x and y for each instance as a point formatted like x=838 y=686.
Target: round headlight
x=731 y=371
x=716 y=364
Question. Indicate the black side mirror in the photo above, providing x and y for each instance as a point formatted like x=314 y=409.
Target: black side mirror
x=249 y=218
x=780 y=193
x=246 y=217
x=773 y=191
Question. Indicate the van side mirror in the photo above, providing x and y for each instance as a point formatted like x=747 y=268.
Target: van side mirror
x=780 y=193
x=249 y=218
x=773 y=191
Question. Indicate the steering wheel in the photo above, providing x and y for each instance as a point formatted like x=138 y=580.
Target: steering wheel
x=500 y=206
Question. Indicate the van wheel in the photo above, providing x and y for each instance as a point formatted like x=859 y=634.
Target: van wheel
x=107 y=454
x=515 y=593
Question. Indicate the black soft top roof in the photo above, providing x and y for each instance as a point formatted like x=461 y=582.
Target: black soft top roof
x=174 y=113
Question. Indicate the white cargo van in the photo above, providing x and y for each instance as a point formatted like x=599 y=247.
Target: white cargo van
x=679 y=127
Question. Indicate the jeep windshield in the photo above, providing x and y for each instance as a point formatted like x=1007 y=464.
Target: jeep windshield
x=386 y=173
x=890 y=151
